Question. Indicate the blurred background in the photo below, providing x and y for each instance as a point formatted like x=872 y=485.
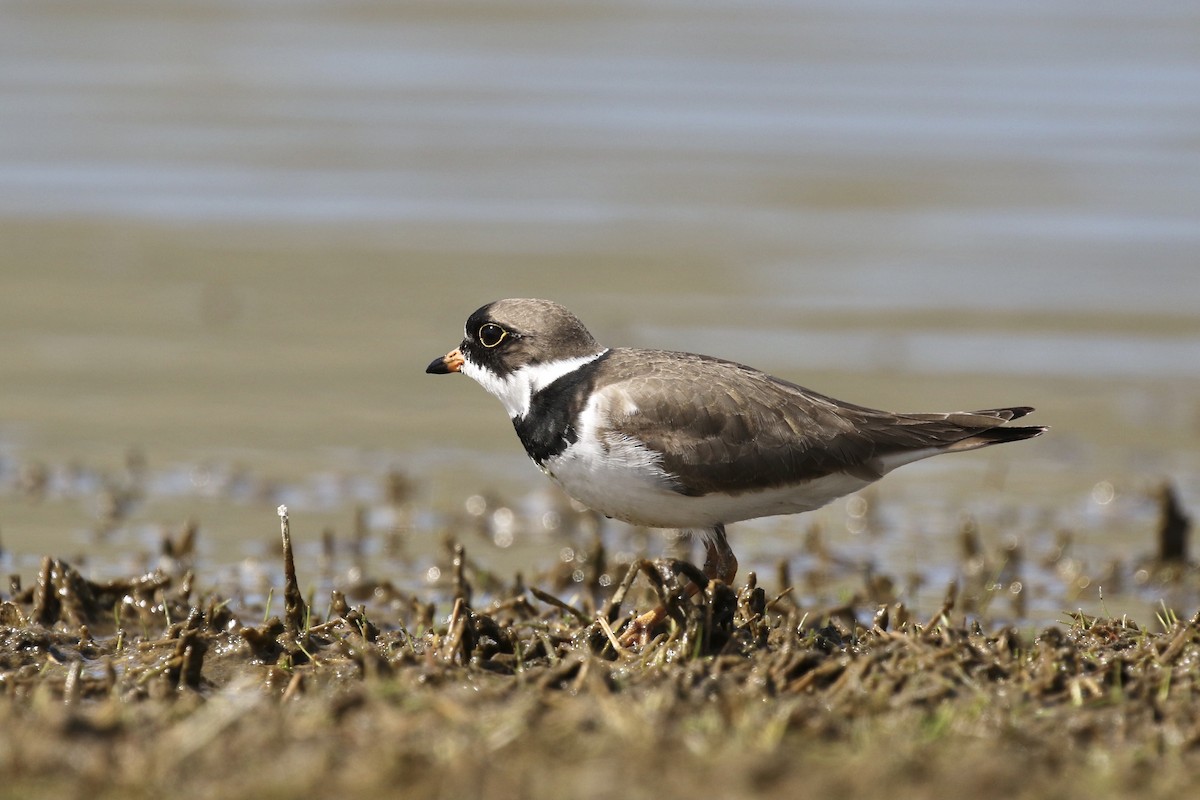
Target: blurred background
x=232 y=235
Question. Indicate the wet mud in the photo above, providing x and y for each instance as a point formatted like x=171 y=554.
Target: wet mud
x=533 y=687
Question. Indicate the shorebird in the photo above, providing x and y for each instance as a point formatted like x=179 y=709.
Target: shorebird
x=667 y=439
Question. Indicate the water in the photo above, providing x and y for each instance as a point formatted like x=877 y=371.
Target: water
x=234 y=233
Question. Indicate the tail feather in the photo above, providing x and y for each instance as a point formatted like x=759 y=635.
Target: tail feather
x=997 y=435
x=958 y=430
x=901 y=439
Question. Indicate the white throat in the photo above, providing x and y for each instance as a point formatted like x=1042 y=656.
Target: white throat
x=516 y=391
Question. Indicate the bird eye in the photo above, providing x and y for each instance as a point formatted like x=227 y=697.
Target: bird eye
x=491 y=334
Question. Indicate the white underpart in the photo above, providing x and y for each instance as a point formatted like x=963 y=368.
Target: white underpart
x=622 y=478
x=516 y=389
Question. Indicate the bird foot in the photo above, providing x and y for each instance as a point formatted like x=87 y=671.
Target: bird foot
x=637 y=634
x=665 y=575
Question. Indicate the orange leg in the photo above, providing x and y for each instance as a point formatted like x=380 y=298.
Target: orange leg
x=719 y=564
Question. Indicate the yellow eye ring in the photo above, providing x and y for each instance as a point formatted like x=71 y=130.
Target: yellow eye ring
x=491 y=335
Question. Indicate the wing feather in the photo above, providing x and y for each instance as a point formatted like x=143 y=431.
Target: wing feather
x=719 y=425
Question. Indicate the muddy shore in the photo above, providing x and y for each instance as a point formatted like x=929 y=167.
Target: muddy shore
x=520 y=687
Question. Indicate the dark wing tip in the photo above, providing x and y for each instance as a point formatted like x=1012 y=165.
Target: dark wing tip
x=1007 y=414
x=1025 y=432
x=997 y=435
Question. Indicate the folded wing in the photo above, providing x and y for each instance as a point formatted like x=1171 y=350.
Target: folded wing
x=722 y=425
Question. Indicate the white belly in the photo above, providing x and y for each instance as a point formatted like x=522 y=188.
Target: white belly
x=625 y=481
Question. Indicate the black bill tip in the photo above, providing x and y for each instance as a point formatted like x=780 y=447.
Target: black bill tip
x=451 y=362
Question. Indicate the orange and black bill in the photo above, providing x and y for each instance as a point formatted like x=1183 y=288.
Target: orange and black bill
x=451 y=362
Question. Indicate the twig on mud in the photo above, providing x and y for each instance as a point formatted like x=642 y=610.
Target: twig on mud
x=561 y=605
x=612 y=637
x=294 y=609
x=613 y=609
x=779 y=597
x=948 y=604
x=462 y=588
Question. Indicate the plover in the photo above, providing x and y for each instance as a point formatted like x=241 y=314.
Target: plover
x=667 y=439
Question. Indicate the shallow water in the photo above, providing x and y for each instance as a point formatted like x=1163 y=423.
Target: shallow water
x=234 y=234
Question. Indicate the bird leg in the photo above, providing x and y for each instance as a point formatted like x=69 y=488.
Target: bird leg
x=719 y=560
x=719 y=564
